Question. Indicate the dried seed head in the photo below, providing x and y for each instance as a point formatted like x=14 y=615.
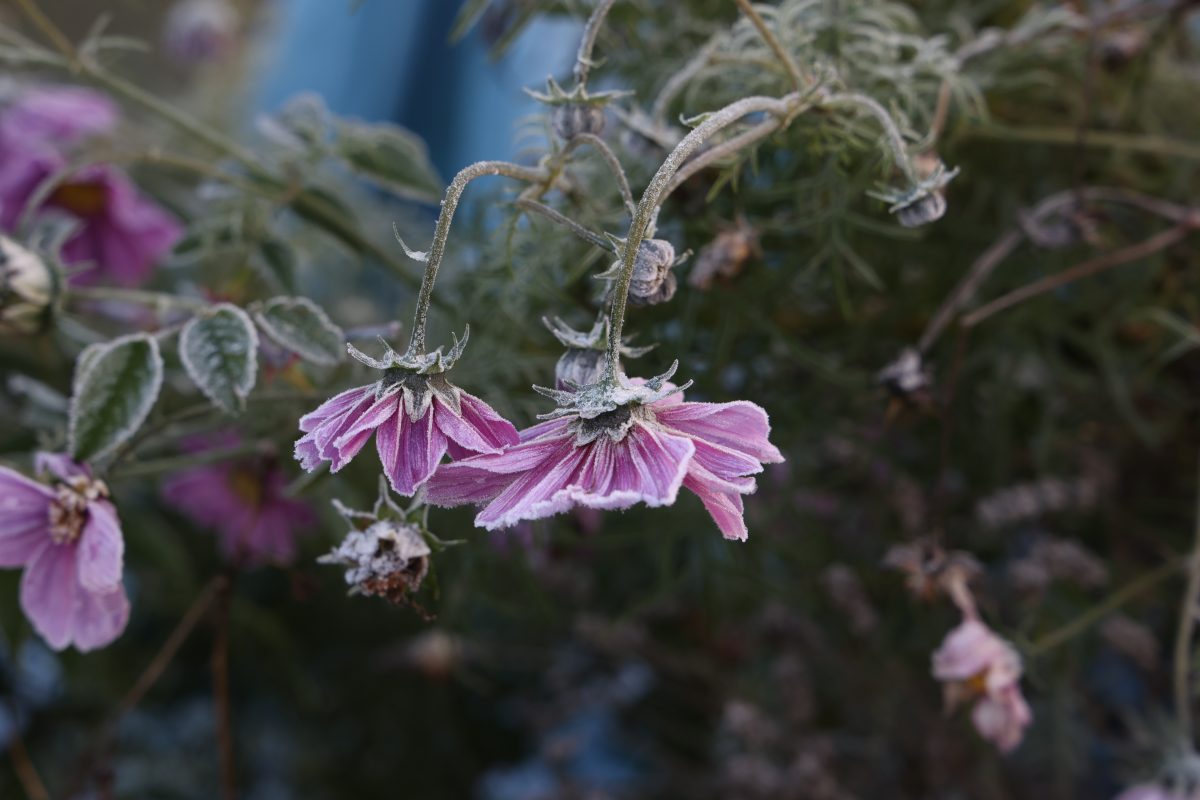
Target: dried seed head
x=725 y=256
x=653 y=280
x=27 y=289
x=572 y=119
x=922 y=211
x=906 y=375
x=388 y=559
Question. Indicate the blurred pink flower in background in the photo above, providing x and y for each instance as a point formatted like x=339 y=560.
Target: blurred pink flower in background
x=244 y=501
x=120 y=233
x=638 y=454
x=977 y=665
x=68 y=539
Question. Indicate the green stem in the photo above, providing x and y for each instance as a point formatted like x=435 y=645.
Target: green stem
x=441 y=233
x=136 y=297
x=583 y=58
x=651 y=198
x=180 y=462
x=894 y=139
x=799 y=79
x=1101 y=610
x=1132 y=142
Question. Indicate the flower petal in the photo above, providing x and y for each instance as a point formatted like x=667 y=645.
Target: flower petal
x=722 y=500
x=741 y=426
x=48 y=594
x=478 y=429
x=101 y=549
x=479 y=479
x=24 y=518
x=335 y=406
x=410 y=451
x=100 y=617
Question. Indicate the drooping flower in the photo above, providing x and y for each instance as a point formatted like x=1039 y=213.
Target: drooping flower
x=119 y=232
x=244 y=502
x=68 y=539
x=198 y=31
x=978 y=666
x=415 y=414
x=610 y=448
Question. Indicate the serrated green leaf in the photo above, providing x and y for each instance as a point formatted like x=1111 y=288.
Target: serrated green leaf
x=390 y=156
x=300 y=325
x=219 y=350
x=115 y=387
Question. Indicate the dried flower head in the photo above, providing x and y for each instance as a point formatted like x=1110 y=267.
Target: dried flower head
x=726 y=256
x=930 y=570
x=653 y=280
x=922 y=203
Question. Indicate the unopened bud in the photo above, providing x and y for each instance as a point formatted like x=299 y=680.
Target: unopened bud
x=571 y=119
x=653 y=280
x=27 y=288
x=578 y=367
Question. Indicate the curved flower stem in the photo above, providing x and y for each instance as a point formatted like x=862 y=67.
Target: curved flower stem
x=529 y=204
x=675 y=84
x=1102 y=609
x=1187 y=629
x=715 y=122
x=733 y=144
x=583 y=58
x=799 y=79
x=449 y=204
x=894 y=139
x=614 y=165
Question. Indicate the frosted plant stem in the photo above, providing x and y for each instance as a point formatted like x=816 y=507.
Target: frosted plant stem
x=529 y=204
x=437 y=250
x=140 y=297
x=1187 y=629
x=652 y=197
x=614 y=165
x=894 y=139
x=799 y=79
x=583 y=59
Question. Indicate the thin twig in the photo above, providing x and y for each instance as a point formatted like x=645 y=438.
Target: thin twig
x=50 y=31
x=1187 y=629
x=224 y=711
x=1102 y=609
x=799 y=79
x=1131 y=142
x=1125 y=255
x=149 y=677
x=529 y=204
x=23 y=766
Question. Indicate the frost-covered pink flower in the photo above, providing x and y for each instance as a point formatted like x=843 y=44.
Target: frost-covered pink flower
x=638 y=444
x=120 y=232
x=415 y=414
x=68 y=539
x=977 y=665
x=244 y=502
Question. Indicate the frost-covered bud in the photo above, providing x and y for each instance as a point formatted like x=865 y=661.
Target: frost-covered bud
x=578 y=367
x=27 y=289
x=388 y=559
x=199 y=31
x=572 y=119
x=922 y=211
x=906 y=376
x=653 y=280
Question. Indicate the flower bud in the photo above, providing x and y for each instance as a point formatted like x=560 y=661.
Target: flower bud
x=653 y=281
x=922 y=211
x=578 y=367
x=27 y=289
x=198 y=31
x=571 y=119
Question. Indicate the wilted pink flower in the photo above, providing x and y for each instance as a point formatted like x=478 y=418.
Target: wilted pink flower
x=245 y=503
x=120 y=232
x=200 y=30
x=640 y=451
x=68 y=539
x=977 y=665
x=416 y=419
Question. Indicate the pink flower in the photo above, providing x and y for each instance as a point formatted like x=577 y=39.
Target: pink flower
x=121 y=234
x=244 y=502
x=647 y=444
x=68 y=539
x=976 y=664
x=59 y=115
x=416 y=419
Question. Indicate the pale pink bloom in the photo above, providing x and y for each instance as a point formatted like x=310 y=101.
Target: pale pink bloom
x=245 y=503
x=68 y=539
x=636 y=453
x=59 y=115
x=416 y=419
x=978 y=666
